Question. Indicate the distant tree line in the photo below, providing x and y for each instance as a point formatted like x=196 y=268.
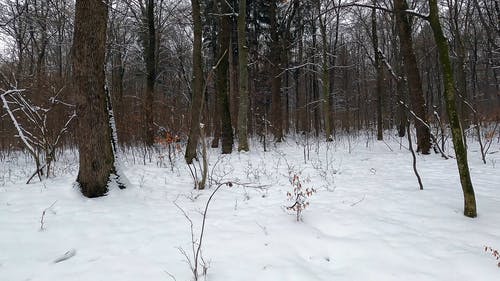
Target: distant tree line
x=268 y=69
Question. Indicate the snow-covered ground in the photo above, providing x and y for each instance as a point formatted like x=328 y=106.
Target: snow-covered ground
x=367 y=220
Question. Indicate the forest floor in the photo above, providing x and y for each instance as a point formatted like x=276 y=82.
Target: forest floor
x=367 y=221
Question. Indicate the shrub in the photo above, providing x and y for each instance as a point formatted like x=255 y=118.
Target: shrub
x=299 y=196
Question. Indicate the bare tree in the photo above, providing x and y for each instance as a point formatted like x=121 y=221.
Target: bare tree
x=455 y=124
x=30 y=122
x=413 y=76
x=379 y=71
x=97 y=165
x=275 y=61
x=222 y=73
x=197 y=94
x=243 y=78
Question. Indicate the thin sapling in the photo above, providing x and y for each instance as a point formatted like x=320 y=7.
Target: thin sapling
x=299 y=197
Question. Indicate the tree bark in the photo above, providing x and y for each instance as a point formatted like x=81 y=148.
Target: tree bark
x=197 y=95
x=117 y=75
x=301 y=98
x=150 y=58
x=233 y=93
x=379 y=70
x=450 y=100
x=325 y=75
x=277 y=115
x=243 y=78
x=94 y=132
x=413 y=75
x=222 y=77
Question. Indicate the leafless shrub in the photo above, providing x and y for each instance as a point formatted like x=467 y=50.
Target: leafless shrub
x=198 y=265
x=299 y=196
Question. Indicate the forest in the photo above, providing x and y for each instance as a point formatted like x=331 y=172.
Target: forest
x=249 y=139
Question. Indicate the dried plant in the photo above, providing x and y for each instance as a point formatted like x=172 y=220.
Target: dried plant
x=299 y=196
x=195 y=260
x=171 y=142
x=494 y=253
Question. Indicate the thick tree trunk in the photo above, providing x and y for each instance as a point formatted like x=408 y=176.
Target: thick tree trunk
x=222 y=78
x=197 y=95
x=450 y=100
x=94 y=132
x=243 y=78
x=413 y=76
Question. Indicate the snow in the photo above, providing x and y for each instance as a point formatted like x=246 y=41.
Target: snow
x=367 y=220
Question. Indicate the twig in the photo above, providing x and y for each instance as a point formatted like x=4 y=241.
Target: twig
x=43 y=215
x=37 y=172
x=434 y=139
x=410 y=145
x=170 y=274
x=197 y=244
x=193 y=242
x=264 y=229
x=359 y=201
x=388 y=146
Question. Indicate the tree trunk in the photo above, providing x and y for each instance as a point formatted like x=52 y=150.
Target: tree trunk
x=275 y=59
x=243 y=78
x=325 y=75
x=150 y=58
x=450 y=100
x=94 y=132
x=197 y=95
x=413 y=76
x=222 y=78
x=455 y=21
x=233 y=93
x=301 y=99
x=379 y=70
x=117 y=75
